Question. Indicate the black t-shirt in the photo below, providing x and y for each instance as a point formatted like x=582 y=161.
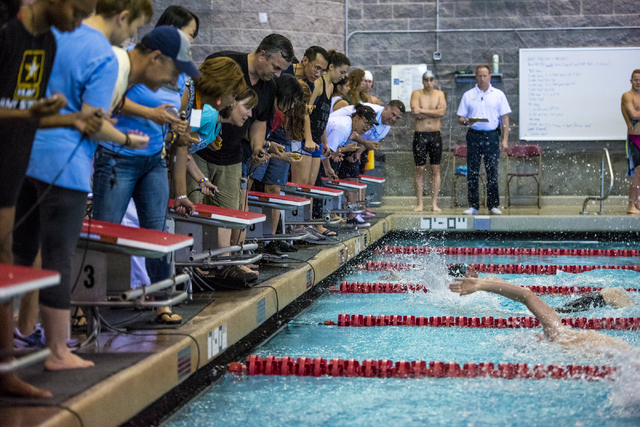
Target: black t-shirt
x=25 y=67
x=232 y=136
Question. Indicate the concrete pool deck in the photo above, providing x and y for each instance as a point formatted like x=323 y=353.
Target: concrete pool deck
x=166 y=358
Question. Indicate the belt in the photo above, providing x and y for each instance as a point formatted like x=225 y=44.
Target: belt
x=481 y=132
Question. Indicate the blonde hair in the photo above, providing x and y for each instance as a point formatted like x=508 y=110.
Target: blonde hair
x=355 y=94
x=220 y=77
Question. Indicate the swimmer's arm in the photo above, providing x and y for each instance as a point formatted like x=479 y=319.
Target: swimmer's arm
x=546 y=315
x=627 y=106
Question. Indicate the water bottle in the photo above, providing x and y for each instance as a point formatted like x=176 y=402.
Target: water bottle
x=496 y=64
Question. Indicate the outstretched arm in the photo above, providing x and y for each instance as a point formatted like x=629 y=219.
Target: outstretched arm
x=548 y=318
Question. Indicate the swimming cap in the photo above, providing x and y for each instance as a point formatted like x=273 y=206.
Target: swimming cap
x=428 y=75
x=457 y=270
x=368 y=75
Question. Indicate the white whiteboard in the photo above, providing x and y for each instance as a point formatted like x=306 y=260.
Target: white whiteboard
x=574 y=94
x=404 y=80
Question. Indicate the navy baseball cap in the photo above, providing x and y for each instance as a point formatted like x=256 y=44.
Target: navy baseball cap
x=173 y=43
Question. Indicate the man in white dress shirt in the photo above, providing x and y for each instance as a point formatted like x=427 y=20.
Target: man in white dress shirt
x=485 y=111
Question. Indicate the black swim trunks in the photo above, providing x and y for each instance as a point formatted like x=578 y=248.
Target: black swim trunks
x=634 y=156
x=584 y=303
x=427 y=143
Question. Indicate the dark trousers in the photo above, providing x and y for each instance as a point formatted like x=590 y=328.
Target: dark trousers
x=54 y=226
x=481 y=144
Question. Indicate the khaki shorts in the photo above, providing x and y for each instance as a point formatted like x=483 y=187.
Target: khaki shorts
x=226 y=178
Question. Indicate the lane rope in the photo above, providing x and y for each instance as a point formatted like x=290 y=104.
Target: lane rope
x=500 y=268
x=316 y=367
x=402 y=288
x=450 y=250
x=369 y=320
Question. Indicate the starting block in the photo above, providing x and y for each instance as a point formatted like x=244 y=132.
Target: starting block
x=327 y=195
x=265 y=203
x=16 y=281
x=375 y=180
x=202 y=226
x=103 y=257
x=339 y=184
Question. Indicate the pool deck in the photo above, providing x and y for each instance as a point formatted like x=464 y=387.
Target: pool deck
x=169 y=359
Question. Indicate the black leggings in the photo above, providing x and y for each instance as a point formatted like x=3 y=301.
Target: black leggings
x=584 y=303
x=55 y=226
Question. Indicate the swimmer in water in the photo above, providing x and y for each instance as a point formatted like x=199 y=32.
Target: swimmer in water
x=613 y=297
x=554 y=331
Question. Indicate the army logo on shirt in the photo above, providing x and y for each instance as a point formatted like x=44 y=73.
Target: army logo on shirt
x=30 y=76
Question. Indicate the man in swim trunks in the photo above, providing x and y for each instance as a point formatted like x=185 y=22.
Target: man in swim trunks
x=630 y=105
x=588 y=341
x=428 y=106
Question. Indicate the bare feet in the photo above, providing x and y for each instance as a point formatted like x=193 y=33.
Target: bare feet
x=436 y=208
x=10 y=385
x=65 y=360
x=418 y=208
x=247 y=269
x=631 y=210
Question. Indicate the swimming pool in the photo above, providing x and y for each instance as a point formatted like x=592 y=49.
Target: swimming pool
x=272 y=400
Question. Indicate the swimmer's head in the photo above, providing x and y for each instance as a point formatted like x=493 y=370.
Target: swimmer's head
x=635 y=79
x=428 y=75
x=462 y=270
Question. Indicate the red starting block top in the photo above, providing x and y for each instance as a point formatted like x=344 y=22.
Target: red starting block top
x=312 y=189
x=347 y=184
x=373 y=179
x=132 y=237
x=16 y=280
x=278 y=198
x=224 y=214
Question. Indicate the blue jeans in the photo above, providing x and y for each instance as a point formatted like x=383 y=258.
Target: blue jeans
x=145 y=179
x=485 y=144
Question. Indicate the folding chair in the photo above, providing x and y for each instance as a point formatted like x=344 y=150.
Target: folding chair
x=525 y=153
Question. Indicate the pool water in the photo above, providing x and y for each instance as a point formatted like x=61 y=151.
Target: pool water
x=278 y=401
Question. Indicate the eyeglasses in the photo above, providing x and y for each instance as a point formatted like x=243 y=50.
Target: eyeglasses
x=319 y=70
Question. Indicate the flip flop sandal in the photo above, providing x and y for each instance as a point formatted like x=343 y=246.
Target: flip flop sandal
x=329 y=233
x=167 y=320
x=78 y=320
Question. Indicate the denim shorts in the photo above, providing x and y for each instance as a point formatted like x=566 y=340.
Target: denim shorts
x=272 y=172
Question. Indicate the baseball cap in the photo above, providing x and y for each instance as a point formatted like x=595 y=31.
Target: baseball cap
x=172 y=42
x=368 y=114
x=368 y=75
x=427 y=75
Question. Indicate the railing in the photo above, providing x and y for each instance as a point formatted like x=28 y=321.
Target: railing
x=602 y=197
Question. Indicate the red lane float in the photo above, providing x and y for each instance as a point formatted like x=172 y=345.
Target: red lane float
x=424 y=250
x=502 y=268
x=359 y=320
x=402 y=288
x=316 y=367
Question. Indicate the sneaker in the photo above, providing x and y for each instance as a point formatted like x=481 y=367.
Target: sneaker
x=273 y=248
x=360 y=222
x=368 y=214
x=35 y=340
x=495 y=211
x=358 y=218
x=471 y=211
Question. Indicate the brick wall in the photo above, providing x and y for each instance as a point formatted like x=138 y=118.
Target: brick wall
x=377 y=52
x=234 y=24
